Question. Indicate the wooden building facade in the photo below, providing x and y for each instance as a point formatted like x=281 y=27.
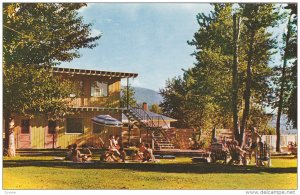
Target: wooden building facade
x=100 y=95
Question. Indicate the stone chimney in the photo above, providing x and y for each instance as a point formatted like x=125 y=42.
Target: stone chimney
x=145 y=106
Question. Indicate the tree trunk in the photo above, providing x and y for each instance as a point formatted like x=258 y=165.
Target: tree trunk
x=213 y=135
x=236 y=32
x=129 y=131
x=278 y=128
x=282 y=84
x=9 y=135
x=247 y=93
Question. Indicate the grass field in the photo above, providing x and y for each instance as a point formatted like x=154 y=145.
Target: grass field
x=43 y=172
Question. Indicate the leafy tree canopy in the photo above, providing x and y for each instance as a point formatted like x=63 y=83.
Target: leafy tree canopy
x=37 y=36
x=44 y=33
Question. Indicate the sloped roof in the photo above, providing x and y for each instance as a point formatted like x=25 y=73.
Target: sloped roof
x=95 y=72
x=166 y=118
x=152 y=114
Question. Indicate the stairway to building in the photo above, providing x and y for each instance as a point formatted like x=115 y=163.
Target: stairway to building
x=141 y=119
x=161 y=142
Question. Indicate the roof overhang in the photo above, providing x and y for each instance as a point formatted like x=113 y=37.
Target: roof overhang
x=81 y=108
x=74 y=71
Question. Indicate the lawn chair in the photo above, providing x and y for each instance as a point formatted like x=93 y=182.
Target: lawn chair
x=218 y=152
x=235 y=153
x=263 y=154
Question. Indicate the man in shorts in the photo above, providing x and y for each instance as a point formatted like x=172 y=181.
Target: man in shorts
x=256 y=138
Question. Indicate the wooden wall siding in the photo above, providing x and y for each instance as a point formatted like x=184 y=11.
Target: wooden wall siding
x=114 y=88
x=37 y=131
x=38 y=125
x=180 y=137
x=92 y=139
x=37 y=134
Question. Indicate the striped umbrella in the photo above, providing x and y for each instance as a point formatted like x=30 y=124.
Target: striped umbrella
x=106 y=120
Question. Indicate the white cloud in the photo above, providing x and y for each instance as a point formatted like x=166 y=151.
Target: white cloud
x=95 y=32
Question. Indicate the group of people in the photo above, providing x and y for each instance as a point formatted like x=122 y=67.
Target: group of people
x=114 y=153
x=75 y=155
x=251 y=146
x=145 y=153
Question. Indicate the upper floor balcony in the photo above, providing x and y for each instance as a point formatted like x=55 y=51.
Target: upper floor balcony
x=97 y=88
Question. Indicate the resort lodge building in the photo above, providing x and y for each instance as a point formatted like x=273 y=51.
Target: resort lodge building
x=101 y=96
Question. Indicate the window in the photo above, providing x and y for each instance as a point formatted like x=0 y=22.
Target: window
x=99 y=89
x=25 y=126
x=51 y=127
x=98 y=128
x=74 y=125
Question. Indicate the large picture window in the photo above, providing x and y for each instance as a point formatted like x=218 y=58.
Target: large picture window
x=99 y=89
x=74 y=125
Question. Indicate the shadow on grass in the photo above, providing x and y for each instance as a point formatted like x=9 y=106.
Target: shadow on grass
x=203 y=168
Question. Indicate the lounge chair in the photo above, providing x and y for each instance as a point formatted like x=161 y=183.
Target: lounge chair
x=218 y=152
x=263 y=154
x=237 y=155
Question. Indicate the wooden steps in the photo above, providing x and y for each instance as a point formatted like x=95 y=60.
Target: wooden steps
x=160 y=141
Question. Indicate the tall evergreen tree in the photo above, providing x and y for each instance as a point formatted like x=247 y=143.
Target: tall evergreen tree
x=292 y=77
x=201 y=98
x=229 y=70
x=286 y=74
x=235 y=79
x=258 y=46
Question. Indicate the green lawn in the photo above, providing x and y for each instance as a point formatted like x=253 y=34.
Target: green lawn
x=42 y=172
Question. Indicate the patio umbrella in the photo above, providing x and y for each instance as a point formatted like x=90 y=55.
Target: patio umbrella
x=106 y=120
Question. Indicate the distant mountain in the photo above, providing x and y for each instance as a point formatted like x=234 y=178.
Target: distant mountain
x=286 y=127
x=146 y=95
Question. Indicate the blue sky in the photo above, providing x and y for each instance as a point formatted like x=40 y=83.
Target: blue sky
x=146 y=38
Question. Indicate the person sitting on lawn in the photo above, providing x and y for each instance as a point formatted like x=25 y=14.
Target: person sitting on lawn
x=116 y=142
x=239 y=149
x=69 y=152
x=137 y=155
x=243 y=153
x=86 y=153
x=143 y=154
x=112 y=145
x=150 y=152
x=109 y=156
x=76 y=156
x=123 y=154
x=236 y=152
x=146 y=156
